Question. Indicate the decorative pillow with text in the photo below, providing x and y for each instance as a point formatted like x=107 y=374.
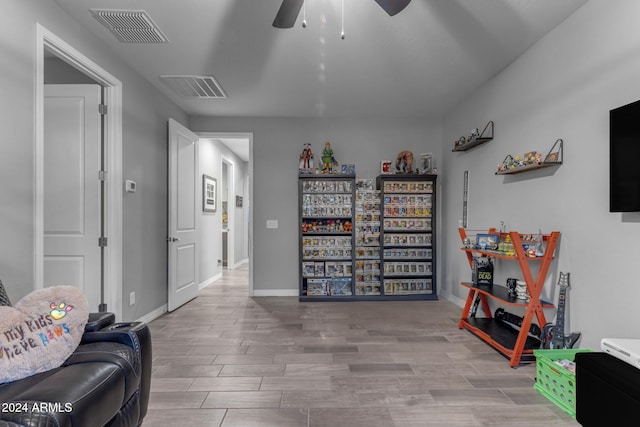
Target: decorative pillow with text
x=41 y=331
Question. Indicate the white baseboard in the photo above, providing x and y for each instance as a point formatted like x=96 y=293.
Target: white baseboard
x=452 y=298
x=154 y=314
x=210 y=281
x=239 y=264
x=275 y=292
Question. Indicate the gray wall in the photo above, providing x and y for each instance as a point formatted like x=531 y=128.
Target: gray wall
x=563 y=87
x=145 y=115
x=56 y=71
x=277 y=144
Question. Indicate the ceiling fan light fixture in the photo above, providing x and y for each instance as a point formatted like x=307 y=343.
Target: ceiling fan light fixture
x=393 y=7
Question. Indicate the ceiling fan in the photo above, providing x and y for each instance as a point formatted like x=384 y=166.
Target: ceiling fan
x=289 y=10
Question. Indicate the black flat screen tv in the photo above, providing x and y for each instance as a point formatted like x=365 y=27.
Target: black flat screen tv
x=624 y=158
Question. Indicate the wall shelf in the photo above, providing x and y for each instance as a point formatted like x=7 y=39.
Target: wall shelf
x=485 y=136
x=553 y=158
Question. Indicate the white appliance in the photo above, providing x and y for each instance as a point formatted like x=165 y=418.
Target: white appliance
x=626 y=349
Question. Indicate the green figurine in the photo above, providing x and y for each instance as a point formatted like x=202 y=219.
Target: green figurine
x=327 y=158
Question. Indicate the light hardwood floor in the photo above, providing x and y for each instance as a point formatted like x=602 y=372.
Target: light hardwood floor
x=225 y=360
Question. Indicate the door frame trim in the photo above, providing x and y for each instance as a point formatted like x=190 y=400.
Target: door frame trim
x=230 y=180
x=113 y=140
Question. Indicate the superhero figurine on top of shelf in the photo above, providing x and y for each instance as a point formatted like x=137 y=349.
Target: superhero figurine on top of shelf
x=328 y=161
x=306 y=160
x=404 y=160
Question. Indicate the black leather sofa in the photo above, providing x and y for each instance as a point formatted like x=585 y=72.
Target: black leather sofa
x=105 y=382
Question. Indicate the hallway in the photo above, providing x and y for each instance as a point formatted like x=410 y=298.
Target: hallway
x=225 y=359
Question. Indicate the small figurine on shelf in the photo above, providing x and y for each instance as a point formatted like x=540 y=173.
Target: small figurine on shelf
x=328 y=161
x=306 y=159
x=404 y=160
x=385 y=167
x=507 y=164
x=427 y=163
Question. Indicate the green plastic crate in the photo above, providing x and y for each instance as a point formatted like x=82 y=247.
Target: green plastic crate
x=555 y=382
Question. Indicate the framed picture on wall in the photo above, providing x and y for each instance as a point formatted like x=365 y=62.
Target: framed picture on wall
x=209 y=188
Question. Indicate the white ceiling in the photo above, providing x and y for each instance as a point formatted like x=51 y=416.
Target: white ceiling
x=419 y=63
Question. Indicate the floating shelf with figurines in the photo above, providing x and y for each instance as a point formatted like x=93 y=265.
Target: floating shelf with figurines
x=476 y=138
x=531 y=160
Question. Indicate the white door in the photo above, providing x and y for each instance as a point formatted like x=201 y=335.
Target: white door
x=72 y=159
x=183 y=256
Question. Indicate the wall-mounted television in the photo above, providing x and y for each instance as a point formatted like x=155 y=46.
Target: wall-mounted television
x=624 y=158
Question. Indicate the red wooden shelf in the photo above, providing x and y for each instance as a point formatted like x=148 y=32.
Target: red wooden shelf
x=516 y=345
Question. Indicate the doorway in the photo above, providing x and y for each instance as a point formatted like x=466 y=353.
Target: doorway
x=48 y=44
x=231 y=157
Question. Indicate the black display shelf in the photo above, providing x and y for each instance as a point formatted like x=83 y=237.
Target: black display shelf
x=501 y=293
x=327 y=233
x=502 y=336
x=381 y=297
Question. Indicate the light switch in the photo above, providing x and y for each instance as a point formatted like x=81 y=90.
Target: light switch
x=272 y=223
x=130 y=186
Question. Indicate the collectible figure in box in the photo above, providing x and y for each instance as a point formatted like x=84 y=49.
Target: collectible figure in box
x=385 y=167
x=487 y=241
x=482 y=273
x=340 y=286
x=316 y=286
x=348 y=169
x=427 y=163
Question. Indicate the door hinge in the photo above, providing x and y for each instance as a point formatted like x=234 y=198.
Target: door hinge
x=102 y=242
x=102 y=175
x=102 y=109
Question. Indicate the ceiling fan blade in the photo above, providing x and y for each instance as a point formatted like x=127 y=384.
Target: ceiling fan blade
x=393 y=6
x=288 y=13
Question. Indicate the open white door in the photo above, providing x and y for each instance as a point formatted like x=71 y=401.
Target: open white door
x=72 y=160
x=182 y=233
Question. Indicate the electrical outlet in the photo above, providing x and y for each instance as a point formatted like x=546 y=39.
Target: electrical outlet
x=132 y=298
x=272 y=223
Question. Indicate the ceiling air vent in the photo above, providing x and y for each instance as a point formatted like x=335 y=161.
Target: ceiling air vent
x=194 y=86
x=130 y=26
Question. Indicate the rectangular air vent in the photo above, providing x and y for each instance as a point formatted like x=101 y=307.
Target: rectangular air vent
x=194 y=86
x=130 y=26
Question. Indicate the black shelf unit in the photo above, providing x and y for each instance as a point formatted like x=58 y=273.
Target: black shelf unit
x=326 y=207
x=408 y=236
